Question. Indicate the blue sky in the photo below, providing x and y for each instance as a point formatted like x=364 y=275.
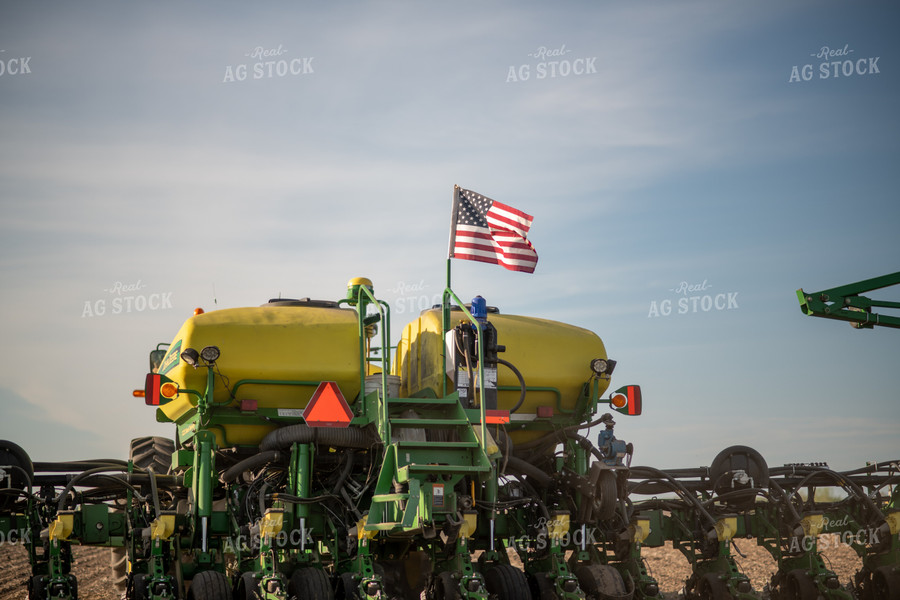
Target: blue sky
x=681 y=153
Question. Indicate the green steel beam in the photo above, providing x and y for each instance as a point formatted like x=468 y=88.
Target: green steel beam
x=844 y=303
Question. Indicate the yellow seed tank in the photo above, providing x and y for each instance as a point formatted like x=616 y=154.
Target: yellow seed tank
x=549 y=354
x=280 y=342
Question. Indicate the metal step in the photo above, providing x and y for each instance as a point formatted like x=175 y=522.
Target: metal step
x=428 y=422
x=423 y=401
x=436 y=469
x=436 y=445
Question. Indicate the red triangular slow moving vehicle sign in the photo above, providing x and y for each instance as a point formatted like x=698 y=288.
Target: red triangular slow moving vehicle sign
x=327 y=407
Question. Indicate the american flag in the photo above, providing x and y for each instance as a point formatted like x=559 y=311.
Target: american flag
x=488 y=231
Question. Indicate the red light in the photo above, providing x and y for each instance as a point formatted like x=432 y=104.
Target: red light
x=544 y=412
x=151 y=389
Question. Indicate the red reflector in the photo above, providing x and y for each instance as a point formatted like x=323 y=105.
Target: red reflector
x=496 y=417
x=248 y=405
x=544 y=412
x=151 y=389
x=327 y=407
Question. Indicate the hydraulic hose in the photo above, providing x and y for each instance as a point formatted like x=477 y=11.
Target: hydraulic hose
x=351 y=437
x=344 y=474
x=250 y=463
x=526 y=468
x=521 y=383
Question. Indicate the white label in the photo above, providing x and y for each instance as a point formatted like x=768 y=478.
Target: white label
x=290 y=412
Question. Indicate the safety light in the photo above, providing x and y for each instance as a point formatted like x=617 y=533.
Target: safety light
x=138 y=393
x=191 y=357
x=626 y=400
x=198 y=311
x=210 y=354
x=156 y=390
x=603 y=366
x=151 y=389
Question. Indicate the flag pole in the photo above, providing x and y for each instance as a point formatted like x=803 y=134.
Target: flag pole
x=454 y=214
x=445 y=301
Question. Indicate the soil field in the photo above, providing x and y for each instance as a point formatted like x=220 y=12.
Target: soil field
x=668 y=566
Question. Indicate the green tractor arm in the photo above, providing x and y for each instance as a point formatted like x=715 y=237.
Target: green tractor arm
x=845 y=304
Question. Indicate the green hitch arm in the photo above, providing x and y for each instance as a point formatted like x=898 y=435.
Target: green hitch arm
x=844 y=303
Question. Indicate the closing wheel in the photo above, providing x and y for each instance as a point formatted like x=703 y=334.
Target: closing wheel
x=601 y=582
x=886 y=583
x=347 y=587
x=606 y=495
x=310 y=583
x=541 y=587
x=445 y=587
x=210 y=585
x=507 y=583
x=711 y=587
x=37 y=587
x=800 y=586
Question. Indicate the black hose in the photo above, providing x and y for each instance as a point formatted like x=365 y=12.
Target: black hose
x=553 y=436
x=345 y=473
x=526 y=468
x=521 y=383
x=250 y=463
x=351 y=437
x=61 y=499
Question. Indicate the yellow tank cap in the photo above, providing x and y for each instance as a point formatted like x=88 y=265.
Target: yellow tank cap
x=360 y=281
x=353 y=286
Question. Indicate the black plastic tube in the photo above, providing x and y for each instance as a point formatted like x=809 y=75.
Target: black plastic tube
x=351 y=437
x=250 y=463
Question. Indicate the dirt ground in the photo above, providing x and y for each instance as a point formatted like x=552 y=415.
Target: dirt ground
x=668 y=566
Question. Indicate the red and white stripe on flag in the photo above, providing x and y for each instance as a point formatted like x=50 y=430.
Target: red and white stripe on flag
x=488 y=231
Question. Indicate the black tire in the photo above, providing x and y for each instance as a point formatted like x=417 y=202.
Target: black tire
x=736 y=458
x=606 y=495
x=507 y=583
x=246 y=588
x=37 y=587
x=601 y=582
x=800 y=586
x=347 y=587
x=886 y=583
x=13 y=455
x=140 y=587
x=541 y=587
x=209 y=585
x=153 y=451
x=118 y=567
x=712 y=588
x=310 y=583
x=445 y=587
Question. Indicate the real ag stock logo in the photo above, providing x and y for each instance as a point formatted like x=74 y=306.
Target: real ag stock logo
x=690 y=298
x=14 y=65
x=268 y=63
x=835 y=63
x=125 y=298
x=554 y=62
